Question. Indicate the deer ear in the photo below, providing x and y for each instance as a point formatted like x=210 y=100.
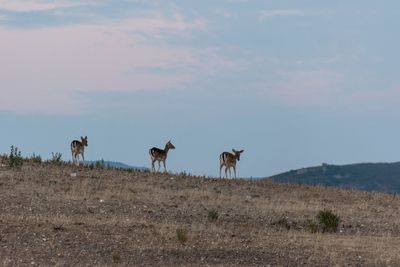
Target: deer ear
x=234 y=151
x=86 y=137
x=241 y=151
x=81 y=137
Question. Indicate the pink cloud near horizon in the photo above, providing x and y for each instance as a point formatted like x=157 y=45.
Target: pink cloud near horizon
x=36 y=5
x=47 y=68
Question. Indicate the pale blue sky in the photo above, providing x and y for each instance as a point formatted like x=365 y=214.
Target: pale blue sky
x=293 y=83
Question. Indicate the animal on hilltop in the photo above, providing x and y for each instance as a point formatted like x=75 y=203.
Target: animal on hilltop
x=160 y=155
x=229 y=160
x=78 y=148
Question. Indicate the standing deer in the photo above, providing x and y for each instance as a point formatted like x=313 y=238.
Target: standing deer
x=157 y=154
x=78 y=147
x=229 y=160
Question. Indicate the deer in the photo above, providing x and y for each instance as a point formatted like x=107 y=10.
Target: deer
x=78 y=148
x=160 y=155
x=229 y=160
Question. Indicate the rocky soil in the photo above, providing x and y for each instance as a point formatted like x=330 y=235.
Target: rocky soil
x=99 y=217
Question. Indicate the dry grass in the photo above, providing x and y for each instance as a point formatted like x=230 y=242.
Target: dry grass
x=111 y=217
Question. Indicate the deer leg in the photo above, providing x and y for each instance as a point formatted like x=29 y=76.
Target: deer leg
x=165 y=169
x=234 y=171
x=220 y=169
x=226 y=172
x=159 y=166
x=153 y=168
x=228 y=169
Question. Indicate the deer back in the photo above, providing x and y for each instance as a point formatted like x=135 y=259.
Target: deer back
x=158 y=154
x=228 y=159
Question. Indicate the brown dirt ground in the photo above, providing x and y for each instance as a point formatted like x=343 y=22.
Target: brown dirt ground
x=120 y=218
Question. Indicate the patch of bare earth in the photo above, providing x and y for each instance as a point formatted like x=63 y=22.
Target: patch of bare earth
x=111 y=217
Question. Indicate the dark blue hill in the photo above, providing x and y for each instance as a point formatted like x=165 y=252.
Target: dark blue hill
x=382 y=177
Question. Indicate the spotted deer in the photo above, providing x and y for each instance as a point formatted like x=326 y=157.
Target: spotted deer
x=157 y=154
x=78 y=148
x=229 y=160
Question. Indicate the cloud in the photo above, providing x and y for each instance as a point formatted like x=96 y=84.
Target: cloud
x=276 y=13
x=266 y=14
x=153 y=24
x=36 y=5
x=50 y=67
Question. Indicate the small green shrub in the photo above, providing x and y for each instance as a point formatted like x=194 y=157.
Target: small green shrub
x=58 y=228
x=100 y=164
x=182 y=235
x=183 y=174
x=56 y=158
x=283 y=223
x=312 y=226
x=4 y=159
x=116 y=258
x=328 y=221
x=134 y=170
x=15 y=159
x=37 y=159
x=213 y=215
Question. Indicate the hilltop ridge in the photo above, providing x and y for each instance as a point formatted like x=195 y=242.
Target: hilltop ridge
x=381 y=177
x=107 y=217
x=114 y=164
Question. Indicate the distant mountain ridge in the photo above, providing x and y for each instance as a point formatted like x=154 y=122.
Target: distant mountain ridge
x=382 y=177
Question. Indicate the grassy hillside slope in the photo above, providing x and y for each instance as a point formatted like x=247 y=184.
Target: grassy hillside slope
x=115 y=165
x=382 y=177
x=119 y=218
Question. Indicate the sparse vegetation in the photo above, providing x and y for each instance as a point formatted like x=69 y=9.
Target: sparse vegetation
x=3 y=160
x=100 y=164
x=312 y=226
x=36 y=159
x=58 y=228
x=56 y=158
x=213 y=215
x=183 y=174
x=116 y=258
x=182 y=235
x=287 y=224
x=328 y=221
x=132 y=170
x=15 y=159
x=282 y=222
